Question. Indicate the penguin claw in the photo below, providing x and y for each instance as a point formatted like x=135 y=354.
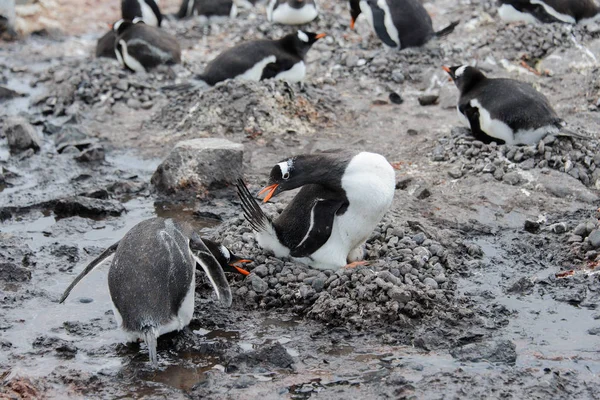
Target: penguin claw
x=356 y=264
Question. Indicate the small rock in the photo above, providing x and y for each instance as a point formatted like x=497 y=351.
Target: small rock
x=594 y=331
x=199 y=164
x=261 y=271
x=594 y=238
x=560 y=227
x=430 y=282
x=532 y=226
x=94 y=153
x=580 y=229
x=87 y=207
x=500 y=351
x=395 y=98
x=422 y=193
x=10 y=272
x=512 y=178
x=21 y=135
x=134 y=104
x=455 y=173
x=258 y=284
x=428 y=99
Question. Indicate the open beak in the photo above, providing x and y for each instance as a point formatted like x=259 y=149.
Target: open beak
x=271 y=189
x=238 y=269
x=449 y=71
x=320 y=36
x=352 y=21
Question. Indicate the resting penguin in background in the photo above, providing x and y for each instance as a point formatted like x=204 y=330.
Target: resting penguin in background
x=533 y=11
x=147 y=10
x=211 y=8
x=343 y=196
x=152 y=278
x=258 y=59
x=140 y=47
x=292 y=12
x=398 y=23
x=504 y=110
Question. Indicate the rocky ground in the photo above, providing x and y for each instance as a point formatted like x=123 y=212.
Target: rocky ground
x=481 y=280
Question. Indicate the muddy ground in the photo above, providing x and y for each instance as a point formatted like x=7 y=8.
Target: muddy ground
x=482 y=278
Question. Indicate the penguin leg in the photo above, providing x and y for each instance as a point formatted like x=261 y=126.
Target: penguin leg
x=356 y=264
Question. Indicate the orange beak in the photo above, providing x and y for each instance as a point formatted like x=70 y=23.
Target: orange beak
x=111 y=25
x=320 y=36
x=446 y=69
x=241 y=270
x=352 y=21
x=271 y=189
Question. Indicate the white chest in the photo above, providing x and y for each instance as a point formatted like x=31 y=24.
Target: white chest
x=255 y=73
x=294 y=74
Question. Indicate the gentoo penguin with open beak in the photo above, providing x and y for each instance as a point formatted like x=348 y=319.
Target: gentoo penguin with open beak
x=211 y=8
x=152 y=278
x=147 y=10
x=140 y=47
x=533 y=11
x=344 y=195
x=504 y=110
x=398 y=23
x=259 y=59
x=292 y=12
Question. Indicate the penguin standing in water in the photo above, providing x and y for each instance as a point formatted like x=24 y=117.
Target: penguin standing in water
x=140 y=47
x=292 y=12
x=504 y=110
x=534 y=11
x=259 y=59
x=398 y=23
x=152 y=278
x=343 y=197
x=147 y=10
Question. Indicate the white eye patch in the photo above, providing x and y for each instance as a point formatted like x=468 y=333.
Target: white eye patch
x=303 y=36
x=285 y=169
x=460 y=70
x=225 y=252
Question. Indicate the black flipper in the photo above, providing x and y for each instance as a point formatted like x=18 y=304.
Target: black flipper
x=97 y=261
x=447 y=30
x=322 y=216
x=379 y=25
x=211 y=267
x=472 y=114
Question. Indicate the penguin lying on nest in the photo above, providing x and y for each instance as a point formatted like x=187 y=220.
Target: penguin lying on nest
x=152 y=278
x=140 y=47
x=257 y=60
x=292 y=12
x=343 y=196
x=398 y=23
x=504 y=110
x=534 y=11
x=211 y=8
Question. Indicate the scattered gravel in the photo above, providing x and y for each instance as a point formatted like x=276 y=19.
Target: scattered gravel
x=578 y=158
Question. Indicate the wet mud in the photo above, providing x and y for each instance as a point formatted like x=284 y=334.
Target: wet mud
x=482 y=279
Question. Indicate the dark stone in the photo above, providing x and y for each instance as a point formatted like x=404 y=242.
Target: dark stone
x=402 y=184
x=87 y=207
x=422 y=193
x=93 y=153
x=594 y=238
x=395 y=98
x=523 y=285
x=10 y=272
x=428 y=99
x=500 y=351
x=268 y=357
x=21 y=135
x=532 y=226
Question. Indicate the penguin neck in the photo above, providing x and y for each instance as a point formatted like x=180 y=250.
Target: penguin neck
x=320 y=170
x=473 y=81
x=293 y=45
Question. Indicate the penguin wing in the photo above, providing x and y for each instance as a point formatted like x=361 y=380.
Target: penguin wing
x=97 y=261
x=379 y=25
x=211 y=267
x=281 y=64
x=321 y=224
x=472 y=115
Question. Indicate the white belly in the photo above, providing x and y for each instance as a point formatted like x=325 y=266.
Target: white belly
x=128 y=60
x=510 y=14
x=294 y=74
x=255 y=73
x=284 y=14
x=148 y=15
x=369 y=182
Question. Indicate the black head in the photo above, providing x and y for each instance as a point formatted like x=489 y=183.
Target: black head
x=464 y=76
x=300 y=42
x=227 y=260
x=324 y=168
x=354 y=12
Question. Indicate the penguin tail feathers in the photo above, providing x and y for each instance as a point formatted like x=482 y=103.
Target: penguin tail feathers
x=255 y=216
x=447 y=30
x=150 y=339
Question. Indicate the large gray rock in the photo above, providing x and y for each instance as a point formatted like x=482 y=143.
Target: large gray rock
x=21 y=135
x=199 y=165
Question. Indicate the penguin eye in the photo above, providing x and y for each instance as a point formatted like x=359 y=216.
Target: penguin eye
x=286 y=176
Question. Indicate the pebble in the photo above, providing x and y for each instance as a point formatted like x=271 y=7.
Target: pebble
x=428 y=99
x=594 y=238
